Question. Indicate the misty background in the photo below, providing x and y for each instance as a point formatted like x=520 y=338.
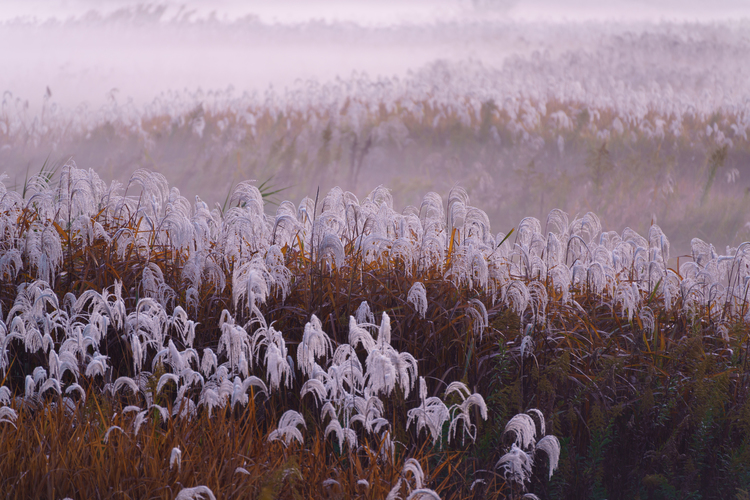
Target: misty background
x=636 y=110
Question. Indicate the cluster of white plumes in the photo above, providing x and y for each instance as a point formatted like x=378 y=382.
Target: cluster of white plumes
x=347 y=393
x=252 y=359
x=620 y=267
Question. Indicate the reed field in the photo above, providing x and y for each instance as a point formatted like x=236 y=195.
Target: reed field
x=524 y=281
x=342 y=348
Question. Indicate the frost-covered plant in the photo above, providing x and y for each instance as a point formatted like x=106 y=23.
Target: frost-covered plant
x=315 y=344
x=287 y=430
x=417 y=296
x=413 y=468
x=385 y=366
x=460 y=411
x=431 y=414
x=518 y=462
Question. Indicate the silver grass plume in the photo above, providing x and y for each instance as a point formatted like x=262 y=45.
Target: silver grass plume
x=523 y=428
x=286 y=429
x=551 y=446
x=516 y=465
x=417 y=297
x=460 y=411
x=196 y=493
x=175 y=458
x=431 y=414
x=315 y=344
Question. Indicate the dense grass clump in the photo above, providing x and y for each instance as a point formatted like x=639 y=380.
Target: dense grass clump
x=149 y=345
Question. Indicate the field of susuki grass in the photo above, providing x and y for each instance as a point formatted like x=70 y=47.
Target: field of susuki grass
x=151 y=347
x=528 y=280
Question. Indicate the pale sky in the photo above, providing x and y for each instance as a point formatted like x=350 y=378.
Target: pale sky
x=388 y=12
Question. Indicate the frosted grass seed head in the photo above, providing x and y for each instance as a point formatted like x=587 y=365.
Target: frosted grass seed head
x=417 y=296
x=287 y=428
x=551 y=446
x=523 y=428
x=175 y=459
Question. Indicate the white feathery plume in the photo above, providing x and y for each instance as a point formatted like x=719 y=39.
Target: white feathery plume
x=646 y=316
x=381 y=373
x=431 y=414
x=209 y=361
x=516 y=465
x=588 y=226
x=185 y=327
x=276 y=358
x=316 y=387
x=417 y=296
x=109 y=430
x=97 y=366
x=551 y=446
x=196 y=493
x=343 y=434
x=167 y=377
x=403 y=250
x=415 y=468
x=527 y=342
x=539 y=298
x=249 y=282
x=211 y=398
x=239 y=389
x=175 y=458
x=39 y=374
x=345 y=373
x=475 y=483
x=59 y=364
x=423 y=493
x=76 y=388
x=359 y=335
x=364 y=315
x=242 y=470
x=534 y=412
x=517 y=296
x=131 y=409
x=140 y=419
x=287 y=428
x=50 y=383
x=461 y=412
x=30 y=388
x=395 y=493
x=478 y=313
x=412 y=466
x=281 y=275
x=524 y=429
x=163 y=412
x=125 y=381
x=234 y=341
x=10 y=263
x=331 y=250
x=9 y=415
x=370 y=410
x=385 y=366
x=628 y=296
x=329 y=411
x=315 y=344
x=5 y=395
x=184 y=407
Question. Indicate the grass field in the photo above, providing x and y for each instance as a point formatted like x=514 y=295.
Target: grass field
x=519 y=276
x=342 y=348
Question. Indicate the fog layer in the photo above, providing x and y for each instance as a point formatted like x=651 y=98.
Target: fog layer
x=623 y=109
